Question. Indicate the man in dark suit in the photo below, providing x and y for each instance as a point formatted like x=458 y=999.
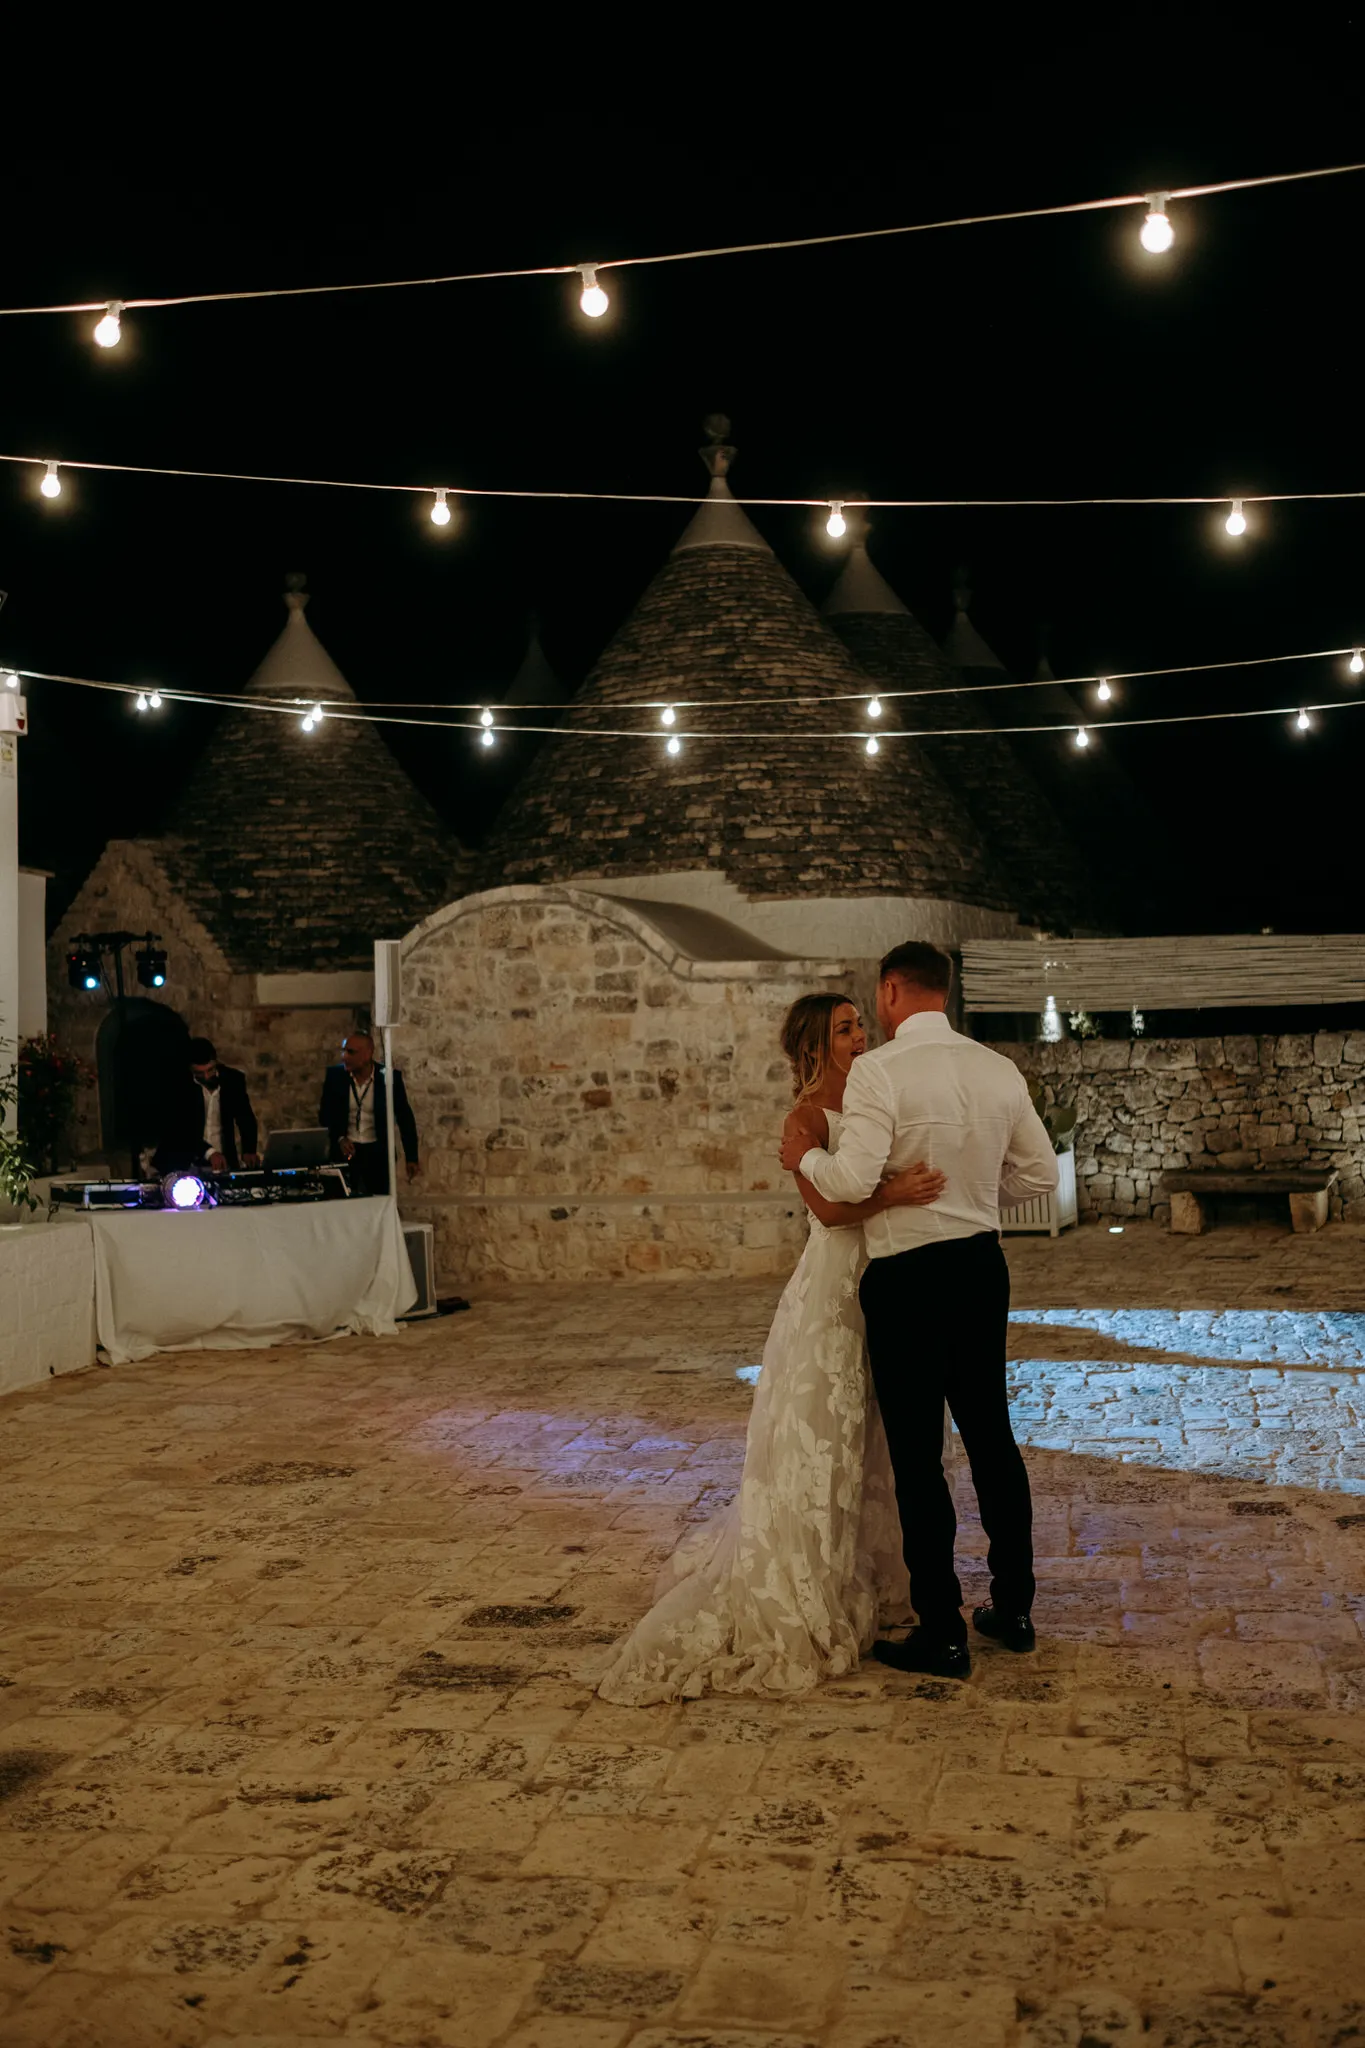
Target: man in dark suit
x=352 y=1107
x=209 y=1123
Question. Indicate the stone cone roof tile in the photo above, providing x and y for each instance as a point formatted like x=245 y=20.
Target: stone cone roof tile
x=298 y=850
x=790 y=816
x=1048 y=874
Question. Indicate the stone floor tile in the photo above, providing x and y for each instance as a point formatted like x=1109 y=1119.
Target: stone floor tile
x=794 y=1989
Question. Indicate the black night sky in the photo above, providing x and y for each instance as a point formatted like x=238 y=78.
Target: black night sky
x=1046 y=358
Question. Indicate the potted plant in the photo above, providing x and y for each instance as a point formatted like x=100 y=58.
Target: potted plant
x=48 y=1083
x=16 y=1168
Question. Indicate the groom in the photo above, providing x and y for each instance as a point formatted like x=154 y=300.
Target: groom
x=936 y=1292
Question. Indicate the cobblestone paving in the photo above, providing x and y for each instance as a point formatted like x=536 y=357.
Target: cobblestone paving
x=298 y=1740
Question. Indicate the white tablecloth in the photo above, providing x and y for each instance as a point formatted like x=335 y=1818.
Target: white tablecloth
x=238 y=1279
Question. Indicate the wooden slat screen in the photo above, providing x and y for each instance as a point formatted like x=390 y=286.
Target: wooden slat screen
x=1163 y=974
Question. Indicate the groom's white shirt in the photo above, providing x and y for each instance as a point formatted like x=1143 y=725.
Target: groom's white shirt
x=933 y=1095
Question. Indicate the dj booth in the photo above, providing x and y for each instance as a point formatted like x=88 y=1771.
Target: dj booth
x=179 y=1268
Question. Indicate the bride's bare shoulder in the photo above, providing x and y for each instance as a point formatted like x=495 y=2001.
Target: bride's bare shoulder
x=808 y=1122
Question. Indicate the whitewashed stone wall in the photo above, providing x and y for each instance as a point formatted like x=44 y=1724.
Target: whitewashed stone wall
x=1152 y=1106
x=593 y=1102
x=282 y=1051
x=47 y=1302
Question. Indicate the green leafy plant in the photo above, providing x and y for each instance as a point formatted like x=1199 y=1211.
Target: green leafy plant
x=50 y=1079
x=16 y=1168
x=1058 y=1121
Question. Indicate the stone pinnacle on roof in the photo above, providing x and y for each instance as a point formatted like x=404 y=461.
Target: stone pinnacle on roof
x=297 y=667
x=962 y=644
x=535 y=682
x=861 y=586
x=720 y=522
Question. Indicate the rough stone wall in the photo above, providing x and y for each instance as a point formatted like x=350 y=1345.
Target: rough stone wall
x=590 y=1101
x=1151 y=1106
x=281 y=1051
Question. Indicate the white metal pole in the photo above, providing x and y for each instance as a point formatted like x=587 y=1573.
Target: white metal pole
x=389 y=1120
x=13 y=722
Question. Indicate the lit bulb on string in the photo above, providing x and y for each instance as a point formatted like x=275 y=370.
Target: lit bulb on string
x=154 y=700
x=141 y=704
x=836 y=526
x=11 y=679
x=1235 y=523
x=874 y=708
x=1157 y=233
x=1104 y=693
x=1052 y=1023
x=108 y=331
x=309 y=722
x=1082 y=737
x=51 y=485
x=487 y=736
x=1303 y=721
x=485 y=717
x=1357 y=663
x=668 y=716
x=440 y=511
x=874 y=745
x=593 y=299
x=674 y=744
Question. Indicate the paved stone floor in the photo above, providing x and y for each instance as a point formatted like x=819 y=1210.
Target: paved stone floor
x=298 y=1740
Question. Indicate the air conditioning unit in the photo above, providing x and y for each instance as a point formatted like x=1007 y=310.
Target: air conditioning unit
x=420 y=1240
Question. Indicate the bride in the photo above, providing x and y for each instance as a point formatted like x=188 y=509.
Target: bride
x=787 y=1585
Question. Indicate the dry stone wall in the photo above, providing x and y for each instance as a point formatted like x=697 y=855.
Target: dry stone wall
x=592 y=1102
x=1151 y=1106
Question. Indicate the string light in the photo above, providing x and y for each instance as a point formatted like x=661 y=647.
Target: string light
x=874 y=709
x=1052 y=1023
x=485 y=716
x=668 y=716
x=1157 y=233
x=1104 y=693
x=674 y=744
x=11 y=679
x=593 y=299
x=873 y=744
x=51 y=485
x=1357 y=663
x=1235 y=522
x=440 y=511
x=836 y=526
x=487 y=736
x=1303 y=721
x=154 y=701
x=1082 y=737
x=141 y=704
x=108 y=330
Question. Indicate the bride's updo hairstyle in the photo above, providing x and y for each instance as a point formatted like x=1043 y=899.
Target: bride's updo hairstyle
x=806 y=1037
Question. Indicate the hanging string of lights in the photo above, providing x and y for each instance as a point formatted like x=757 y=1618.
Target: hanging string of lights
x=1157 y=236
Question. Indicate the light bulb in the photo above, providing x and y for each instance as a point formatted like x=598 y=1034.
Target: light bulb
x=674 y=744
x=594 y=300
x=874 y=708
x=874 y=745
x=668 y=716
x=1082 y=737
x=1235 y=522
x=1104 y=693
x=836 y=526
x=1303 y=721
x=141 y=704
x=108 y=331
x=11 y=680
x=1355 y=665
x=51 y=485
x=485 y=718
x=309 y=722
x=155 y=700
x=487 y=737
x=440 y=511
x=1052 y=1023
x=317 y=714
x=1157 y=232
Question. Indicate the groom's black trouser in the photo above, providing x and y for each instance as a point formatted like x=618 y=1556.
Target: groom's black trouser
x=936 y=1321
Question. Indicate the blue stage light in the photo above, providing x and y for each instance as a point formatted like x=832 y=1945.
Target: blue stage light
x=184 y=1191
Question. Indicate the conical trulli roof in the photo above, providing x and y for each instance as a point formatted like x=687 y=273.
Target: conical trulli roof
x=797 y=813
x=299 y=849
x=1026 y=838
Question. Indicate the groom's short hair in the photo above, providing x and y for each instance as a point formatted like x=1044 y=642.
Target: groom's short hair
x=919 y=964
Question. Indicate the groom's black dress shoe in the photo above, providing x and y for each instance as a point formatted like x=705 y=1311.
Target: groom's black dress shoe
x=1014 y=1631
x=926 y=1654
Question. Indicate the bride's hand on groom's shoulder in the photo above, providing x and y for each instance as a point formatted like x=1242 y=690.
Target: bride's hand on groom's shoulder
x=914 y=1187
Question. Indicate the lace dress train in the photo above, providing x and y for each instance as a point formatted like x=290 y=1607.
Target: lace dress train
x=787 y=1585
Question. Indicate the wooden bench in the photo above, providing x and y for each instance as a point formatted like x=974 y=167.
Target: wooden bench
x=1307 y=1191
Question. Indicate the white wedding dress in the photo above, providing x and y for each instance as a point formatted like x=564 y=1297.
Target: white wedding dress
x=788 y=1584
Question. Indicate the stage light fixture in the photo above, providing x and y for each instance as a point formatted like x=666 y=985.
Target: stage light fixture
x=183 y=1191
x=151 y=964
x=83 y=965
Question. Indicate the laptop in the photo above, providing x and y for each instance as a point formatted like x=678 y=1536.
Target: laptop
x=296 y=1148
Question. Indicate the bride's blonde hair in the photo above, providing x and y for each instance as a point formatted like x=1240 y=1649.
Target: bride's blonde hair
x=807 y=1036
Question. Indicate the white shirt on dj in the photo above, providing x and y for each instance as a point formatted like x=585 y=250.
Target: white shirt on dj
x=213 y=1118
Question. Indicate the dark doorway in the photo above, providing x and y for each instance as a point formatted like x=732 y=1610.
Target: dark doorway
x=141 y=1052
